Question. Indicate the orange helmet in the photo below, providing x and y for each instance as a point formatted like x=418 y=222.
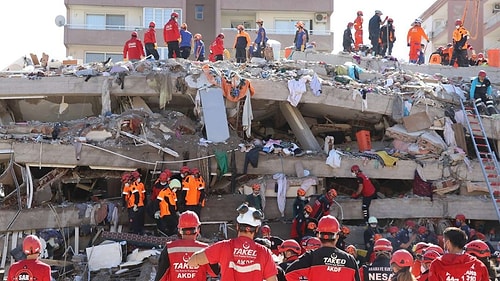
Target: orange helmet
x=393 y=229
x=331 y=194
x=185 y=169
x=168 y=172
x=377 y=236
x=312 y=225
x=290 y=245
x=266 y=230
x=255 y=186
x=301 y=192
x=382 y=245
x=436 y=248
x=240 y=27
x=419 y=248
x=163 y=177
x=345 y=230
x=351 y=249
x=32 y=245
x=429 y=256
x=402 y=258
x=312 y=243
x=328 y=224
x=478 y=249
x=188 y=220
x=308 y=209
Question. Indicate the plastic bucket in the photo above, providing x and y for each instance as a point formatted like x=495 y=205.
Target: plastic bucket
x=494 y=57
x=276 y=45
x=364 y=140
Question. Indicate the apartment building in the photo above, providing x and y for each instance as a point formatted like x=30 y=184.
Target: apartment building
x=97 y=29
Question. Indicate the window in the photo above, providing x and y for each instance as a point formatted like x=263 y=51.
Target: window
x=198 y=12
x=159 y=16
x=99 y=57
x=288 y=26
x=103 y=22
x=246 y=24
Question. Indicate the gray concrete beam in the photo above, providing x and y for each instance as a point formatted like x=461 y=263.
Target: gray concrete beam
x=299 y=127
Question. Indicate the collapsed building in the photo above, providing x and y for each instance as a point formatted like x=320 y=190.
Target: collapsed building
x=70 y=130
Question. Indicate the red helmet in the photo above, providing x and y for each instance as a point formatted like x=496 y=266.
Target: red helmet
x=290 y=245
x=331 y=194
x=346 y=230
x=312 y=243
x=478 y=249
x=308 y=209
x=152 y=24
x=461 y=217
x=32 y=245
x=174 y=15
x=168 y=173
x=328 y=224
x=429 y=256
x=350 y=24
x=360 y=13
x=184 y=169
x=480 y=236
x=311 y=225
x=483 y=74
x=377 y=236
x=458 y=22
x=422 y=229
x=301 y=192
x=436 y=248
x=188 y=219
x=255 y=186
x=382 y=245
x=351 y=249
x=355 y=169
x=265 y=229
x=420 y=247
x=195 y=171
x=393 y=229
x=163 y=177
x=480 y=56
x=135 y=175
x=402 y=258
x=125 y=177
x=410 y=223
x=390 y=20
x=221 y=35
x=134 y=34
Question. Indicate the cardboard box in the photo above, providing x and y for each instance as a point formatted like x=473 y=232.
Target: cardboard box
x=70 y=62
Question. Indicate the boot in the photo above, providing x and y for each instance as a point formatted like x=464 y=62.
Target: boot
x=492 y=110
x=481 y=109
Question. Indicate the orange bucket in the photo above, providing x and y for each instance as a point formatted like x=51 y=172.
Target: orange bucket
x=494 y=57
x=364 y=140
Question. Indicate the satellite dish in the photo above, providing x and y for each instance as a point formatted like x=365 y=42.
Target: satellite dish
x=60 y=20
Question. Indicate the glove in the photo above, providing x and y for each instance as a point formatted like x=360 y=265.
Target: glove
x=302 y=48
x=354 y=195
x=136 y=208
x=157 y=215
x=408 y=44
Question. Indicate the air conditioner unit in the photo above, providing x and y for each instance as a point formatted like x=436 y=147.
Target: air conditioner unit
x=321 y=17
x=496 y=7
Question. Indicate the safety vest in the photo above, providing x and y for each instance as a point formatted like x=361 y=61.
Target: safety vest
x=167 y=198
x=127 y=192
x=131 y=198
x=379 y=270
x=179 y=251
x=435 y=59
x=142 y=192
x=193 y=187
x=458 y=35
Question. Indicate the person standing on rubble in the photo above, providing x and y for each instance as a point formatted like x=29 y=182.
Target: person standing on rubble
x=371 y=234
x=172 y=36
x=347 y=41
x=300 y=38
x=261 y=40
x=167 y=208
x=297 y=25
x=374 y=32
x=139 y=197
x=217 y=48
x=414 y=39
x=186 y=41
x=358 y=33
x=240 y=258
x=388 y=37
x=460 y=37
x=150 y=41
x=30 y=268
x=241 y=42
x=365 y=189
x=321 y=206
x=158 y=186
x=481 y=92
x=193 y=188
x=172 y=264
x=199 y=48
x=131 y=198
x=133 y=49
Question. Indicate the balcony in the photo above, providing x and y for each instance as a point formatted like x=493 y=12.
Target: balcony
x=325 y=6
x=126 y=3
x=102 y=36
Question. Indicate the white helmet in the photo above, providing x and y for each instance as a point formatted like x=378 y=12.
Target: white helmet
x=418 y=20
x=372 y=220
x=249 y=215
x=175 y=183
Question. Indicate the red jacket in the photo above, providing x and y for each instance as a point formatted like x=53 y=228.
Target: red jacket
x=217 y=47
x=171 y=31
x=29 y=270
x=458 y=267
x=133 y=49
x=368 y=188
x=150 y=36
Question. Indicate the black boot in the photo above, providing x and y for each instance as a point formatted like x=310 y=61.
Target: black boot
x=492 y=110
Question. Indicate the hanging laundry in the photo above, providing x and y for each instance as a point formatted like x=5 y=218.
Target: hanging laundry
x=316 y=85
x=297 y=88
x=247 y=116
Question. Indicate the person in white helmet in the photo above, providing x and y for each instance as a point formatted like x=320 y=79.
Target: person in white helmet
x=240 y=258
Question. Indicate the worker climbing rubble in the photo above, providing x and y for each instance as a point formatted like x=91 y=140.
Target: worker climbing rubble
x=481 y=93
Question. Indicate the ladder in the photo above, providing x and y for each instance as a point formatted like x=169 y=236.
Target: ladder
x=487 y=158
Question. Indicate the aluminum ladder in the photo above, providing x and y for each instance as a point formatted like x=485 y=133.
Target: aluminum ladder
x=487 y=158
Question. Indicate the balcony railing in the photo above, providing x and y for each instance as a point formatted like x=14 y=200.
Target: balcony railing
x=104 y=27
x=492 y=20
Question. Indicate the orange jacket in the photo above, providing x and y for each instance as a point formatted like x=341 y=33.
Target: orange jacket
x=193 y=187
x=358 y=23
x=435 y=59
x=415 y=35
x=142 y=191
x=235 y=90
x=460 y=37
x=167 y=199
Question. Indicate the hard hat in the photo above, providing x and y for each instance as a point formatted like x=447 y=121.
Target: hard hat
x=175 y=183
x=240 y=27
x=458 y=22
x=410 y=223
x=346 y=230
x=429 y=256
x=355 y=169
x=197 y=36
x=125 y=177
x=195 y=171
x=480 y=56
x=311 y=225
x=382 y=245
x=436 y=248
x=478 y=249
x=301 y=192
x=174 y=15
x=265 y=230
x=480 y=236
x=377 y=236
x=350 y=24
x=184 y=169
x=372 y=220
x=249 y=215
x=135 y=175
x=221 y=35
x=390 y=20
x=420 y=247
x=402 y=258
x=328 y=224
x=312 y=243
x=359 y=13
x=134 y=34
x=152 y=24
x=259 y=21
x=290 y=245
x=461 y=217
x=418 y=20
x=378 y=12
x=32 y=245
x=184 y=25
x=168 y=173
x=421 y=230
x=255 y=186
x=308 y=209
x=483 y=74
x=351 y=249
x=188 y=219
x=163 y=177
x=393 y=229
x=331 y=194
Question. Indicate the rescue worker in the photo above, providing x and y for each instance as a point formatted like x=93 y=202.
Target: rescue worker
x=158 y=186
x=31 y=268
x=240 y=258
x=427 y=258
x=437 y=56
x=300 y=38
x=455 y=264
x=365 y=188
x=418 y=250
x=344 y=232
x=351 y=250
x=321 y=206
x=401 y=262
x=172 y=262
x=303 y=225
x=141 y=189
x=172 y=36
x=303 y=28
x=199 y=48
x=327 y=262
x=186 y=42
x=311 y=244
x=370 y=235
x=299 y=203
x=406 y=235
x=241 y=42
x=358 y=33
x=183 y=174
x=254 y=199
x=460 y=37
x=291 y=250
x=380 y=268
x=393 y=231
x=261 y=40
x=481 y=92
x=193 y=188
x=374 y=32
x=217 y=48
x=348 y=41
x=275 y=240
x=133 y=49
x=414 y=39
x=481 y=251
x=388 y=37
x=167 y=204
x=133 y=198
x=447 y=53
x=150 y=41
x=481 y=60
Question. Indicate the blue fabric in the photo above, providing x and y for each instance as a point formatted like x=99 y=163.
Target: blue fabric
x=186 y=37
x=259 y=38
x=197 y=44
x=299 y=41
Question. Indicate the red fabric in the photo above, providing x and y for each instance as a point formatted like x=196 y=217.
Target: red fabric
x=29 y=270
x=457 y=267
x=415 y=268
x=358 y=34
x=171 y=31
x=179 y=251
x=217 y=47
x=368 y=188
x=150 y=36
x=421 y=187
x=242 y=259
x=133 y=49
x=424 y=276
